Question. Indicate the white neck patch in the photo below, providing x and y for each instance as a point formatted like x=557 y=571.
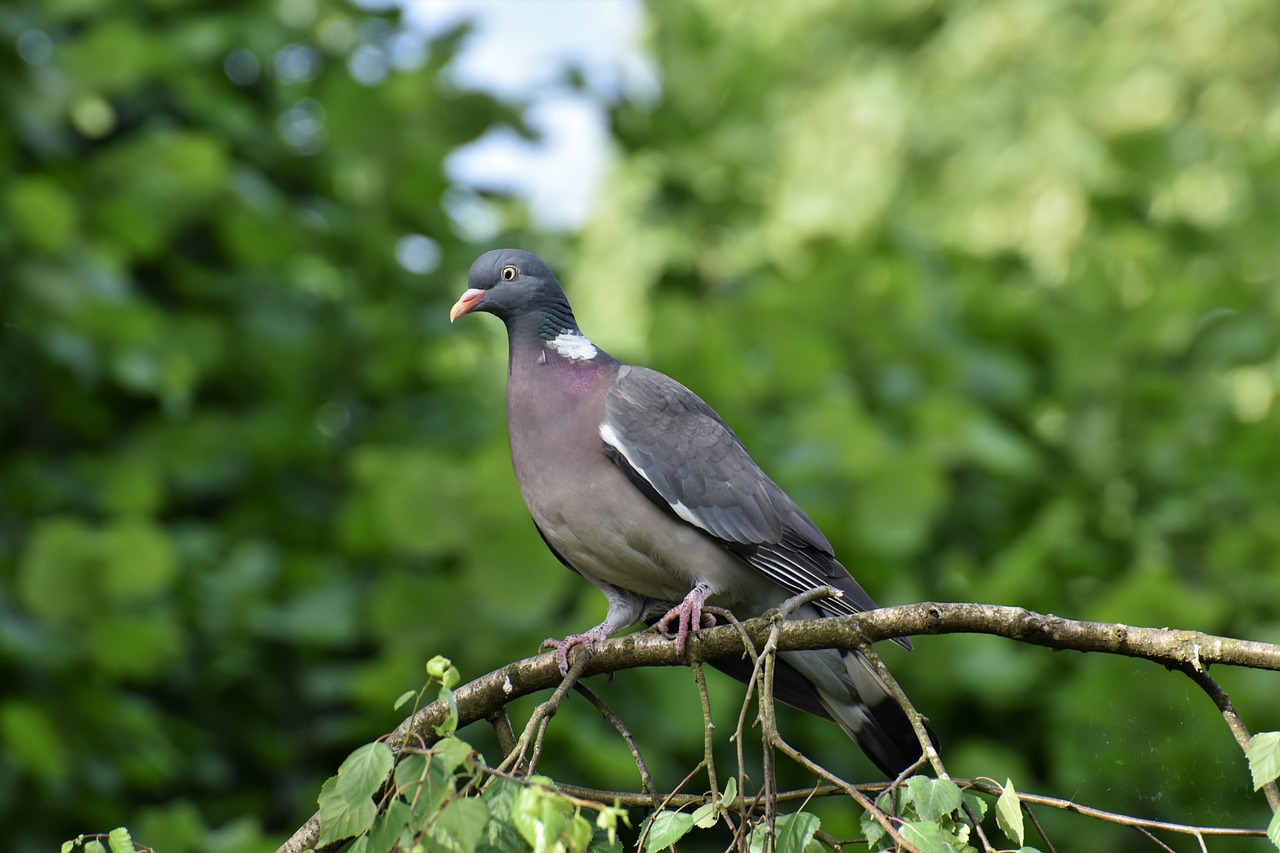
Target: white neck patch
x=573 y=346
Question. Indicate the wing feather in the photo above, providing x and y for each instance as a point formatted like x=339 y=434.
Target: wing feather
x=678 y=452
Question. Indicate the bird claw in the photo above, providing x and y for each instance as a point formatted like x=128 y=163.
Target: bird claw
x=688 y=617
x=587 y=640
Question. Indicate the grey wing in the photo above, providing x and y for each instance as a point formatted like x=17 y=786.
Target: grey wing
x=678 y=451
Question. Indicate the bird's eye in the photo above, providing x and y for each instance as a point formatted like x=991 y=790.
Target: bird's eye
x=508 y=273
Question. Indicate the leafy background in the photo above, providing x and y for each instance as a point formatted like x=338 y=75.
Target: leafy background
x=991 y=289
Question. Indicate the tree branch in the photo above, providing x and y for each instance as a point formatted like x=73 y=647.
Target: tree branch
x=487 y=695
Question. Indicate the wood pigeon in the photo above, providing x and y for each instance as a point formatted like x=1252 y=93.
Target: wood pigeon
x=638 y=486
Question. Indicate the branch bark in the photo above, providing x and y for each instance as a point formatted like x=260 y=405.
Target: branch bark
x=489 y=694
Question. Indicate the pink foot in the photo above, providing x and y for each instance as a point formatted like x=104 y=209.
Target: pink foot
x=587 y=640
x=688 y=616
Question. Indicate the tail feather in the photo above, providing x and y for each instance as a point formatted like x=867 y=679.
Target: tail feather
x=839 y=686
x=854 y=697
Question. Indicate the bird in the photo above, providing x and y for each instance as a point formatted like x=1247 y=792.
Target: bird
x=637 y=485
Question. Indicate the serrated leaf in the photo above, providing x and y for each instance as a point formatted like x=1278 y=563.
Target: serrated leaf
x=391 y=826
x=1009 y=813
x=706 y=815
x=451 y=753
x=1273 y=829
x=120 y=840
x=410 y=772
x=343 y=812
x=461 y=826
x=872 y=830
x=665 y=829
x=360 y=845
x=1264 y=758
x=541 y=815
x=927 y=837
x=602 y=843
x=500 y=797
x=759 y=835
x=366 y=769
x=975 y=804
x=437 y=787
x=933 y=798
x=795 y=831
x=68 y=846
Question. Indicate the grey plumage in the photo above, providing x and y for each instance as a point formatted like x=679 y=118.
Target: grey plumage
x=639 y=486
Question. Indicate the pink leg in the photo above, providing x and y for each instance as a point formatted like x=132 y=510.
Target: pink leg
x=688 y=616
x=587 y=640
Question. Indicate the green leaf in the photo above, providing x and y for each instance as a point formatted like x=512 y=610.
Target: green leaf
x=602 y=843
x=438 y=667
x=502 y=837
x=120 y=840
x=873 y=831
x=411 y=770
x=975 y=804
x=607 y=822
x=541 y=814
x=93 y=845
x=403 y=698
x=928 y=837
x=460 y=826
x=795 y=831
x=391 y=826
x=577 y=834
x=730 y=792
x=365 y=769
x=665 y=829
x=1264 y=758
x=68 y=846
x=1009 y=813
x=1273 y=829
x=451 y=753
x=450 y=723
x=758 y=837
x=706 y=815
x=933 y=798
x=343 y=812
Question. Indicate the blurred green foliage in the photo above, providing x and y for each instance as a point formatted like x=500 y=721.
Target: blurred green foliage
x=992 y=289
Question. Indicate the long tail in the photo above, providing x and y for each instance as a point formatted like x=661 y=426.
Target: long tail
x=857 y=700
x=839 y=686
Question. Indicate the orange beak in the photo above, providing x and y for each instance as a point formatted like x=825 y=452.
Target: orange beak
x=464 y=304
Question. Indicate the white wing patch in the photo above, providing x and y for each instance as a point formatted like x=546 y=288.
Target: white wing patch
x=573 y=345
x=610 y=437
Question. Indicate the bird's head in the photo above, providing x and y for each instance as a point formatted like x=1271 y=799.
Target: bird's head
x=509 y=283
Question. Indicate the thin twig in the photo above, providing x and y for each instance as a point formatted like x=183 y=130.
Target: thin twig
x=1113 y=817
x=774 y=740
x=646 y=780
x=1152 y=838
x=536 y=727
x=915 y=717
x=708 y=741
x=1035 y=821
x=1239 y=730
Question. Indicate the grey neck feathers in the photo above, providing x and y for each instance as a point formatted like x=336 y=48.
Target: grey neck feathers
x=556 y=318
